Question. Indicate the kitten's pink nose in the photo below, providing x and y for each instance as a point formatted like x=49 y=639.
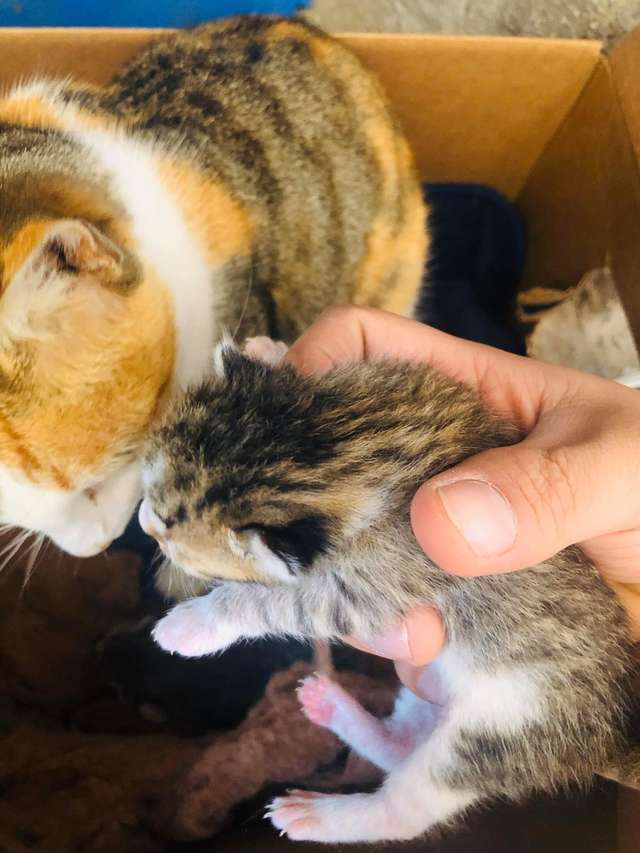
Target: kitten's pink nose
x=150 y=522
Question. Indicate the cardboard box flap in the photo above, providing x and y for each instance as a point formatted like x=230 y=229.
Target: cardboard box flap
x=479 y=109
x=624 y=200
x=565 y=200
x=624 y=61
x=87 y=54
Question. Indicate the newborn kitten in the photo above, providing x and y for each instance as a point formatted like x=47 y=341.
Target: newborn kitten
x=294 y=492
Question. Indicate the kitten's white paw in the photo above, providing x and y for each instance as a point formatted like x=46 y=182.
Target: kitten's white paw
x=330 y=818
x=264 y=349
x=191 y=630
x=296 y=815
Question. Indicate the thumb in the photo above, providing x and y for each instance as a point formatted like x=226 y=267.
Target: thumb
x=513 y=507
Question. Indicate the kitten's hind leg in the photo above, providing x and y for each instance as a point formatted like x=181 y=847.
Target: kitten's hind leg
x=383 y=742
x=480 y=747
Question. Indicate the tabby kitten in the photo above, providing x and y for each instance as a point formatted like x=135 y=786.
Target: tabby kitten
x=296 y=491
x=219 y=173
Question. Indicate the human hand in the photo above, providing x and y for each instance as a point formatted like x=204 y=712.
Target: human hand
x=571 y=480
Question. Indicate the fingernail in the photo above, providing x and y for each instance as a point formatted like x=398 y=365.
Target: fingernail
x=393 y=645
x=481 y=514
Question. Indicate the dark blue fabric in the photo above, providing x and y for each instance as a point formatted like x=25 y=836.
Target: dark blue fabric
x=477 y=260
x=134 y=13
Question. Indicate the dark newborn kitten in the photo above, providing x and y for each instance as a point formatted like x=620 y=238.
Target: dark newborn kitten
x=295 y=492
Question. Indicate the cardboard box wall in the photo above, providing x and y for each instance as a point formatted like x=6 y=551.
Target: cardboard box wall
x=554 y=125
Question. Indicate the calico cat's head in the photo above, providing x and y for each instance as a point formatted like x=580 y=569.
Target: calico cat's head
x=86 y=351
x=259 y=473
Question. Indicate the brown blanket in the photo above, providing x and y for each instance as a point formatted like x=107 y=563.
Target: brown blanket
x=83 y=773
x=80 y=771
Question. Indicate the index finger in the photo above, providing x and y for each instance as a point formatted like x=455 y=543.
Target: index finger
x=511 y=385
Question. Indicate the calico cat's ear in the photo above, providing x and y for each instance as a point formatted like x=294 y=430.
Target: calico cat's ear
x=74 y=247
x=48 y=266
x=44 y=254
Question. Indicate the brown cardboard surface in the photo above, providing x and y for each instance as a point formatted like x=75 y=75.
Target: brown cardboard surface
x=565 y=200
x=91 y=55
x=475 y=109
x=624 y=190
x=625 y=68
x=479 y=109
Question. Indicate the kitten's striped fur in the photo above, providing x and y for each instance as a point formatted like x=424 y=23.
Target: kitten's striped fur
x=220 y=173
x=296 y=491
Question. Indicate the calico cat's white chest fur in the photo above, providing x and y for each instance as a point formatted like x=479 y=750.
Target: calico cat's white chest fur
x=164 y=241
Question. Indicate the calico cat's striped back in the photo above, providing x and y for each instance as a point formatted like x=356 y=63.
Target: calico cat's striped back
x=285 y=118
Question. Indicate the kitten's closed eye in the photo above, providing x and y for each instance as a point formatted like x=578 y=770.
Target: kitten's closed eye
x=285 y=551
x=151 y=522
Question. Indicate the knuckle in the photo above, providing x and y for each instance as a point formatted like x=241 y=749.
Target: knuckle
x=341 y=314
x=545 y=482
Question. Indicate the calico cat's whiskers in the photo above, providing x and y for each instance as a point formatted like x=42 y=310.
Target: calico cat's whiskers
x=246 y=303
x=34 y=551
x=13 y=547
x=16 y=544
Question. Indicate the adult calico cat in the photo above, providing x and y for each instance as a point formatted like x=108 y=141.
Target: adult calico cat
x=240 y=176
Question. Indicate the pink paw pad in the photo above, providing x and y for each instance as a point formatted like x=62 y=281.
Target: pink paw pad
x=319 y=698
x=264 y=349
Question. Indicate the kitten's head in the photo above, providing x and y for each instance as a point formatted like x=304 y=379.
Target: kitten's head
x=86 y=350
x=255 y=475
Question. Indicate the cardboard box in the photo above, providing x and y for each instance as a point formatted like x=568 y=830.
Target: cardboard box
x=554 y=125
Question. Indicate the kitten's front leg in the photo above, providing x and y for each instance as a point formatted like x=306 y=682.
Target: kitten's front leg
x=230 y=612
x=191 y=629
x=265 y=349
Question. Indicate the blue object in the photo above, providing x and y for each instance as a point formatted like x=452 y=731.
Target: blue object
x=134 y=13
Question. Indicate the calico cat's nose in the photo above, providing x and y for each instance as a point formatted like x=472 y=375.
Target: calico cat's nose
x=150 y=522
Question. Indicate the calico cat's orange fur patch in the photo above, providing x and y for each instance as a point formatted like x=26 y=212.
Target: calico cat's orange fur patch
x=289 y=30
x=385 y=245
x=220 y=221
x=29 y=111
x=131 y=370
x=24 y=243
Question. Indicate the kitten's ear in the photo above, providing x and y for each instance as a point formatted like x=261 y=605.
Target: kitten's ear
x=284 y=552
x=74 y=247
